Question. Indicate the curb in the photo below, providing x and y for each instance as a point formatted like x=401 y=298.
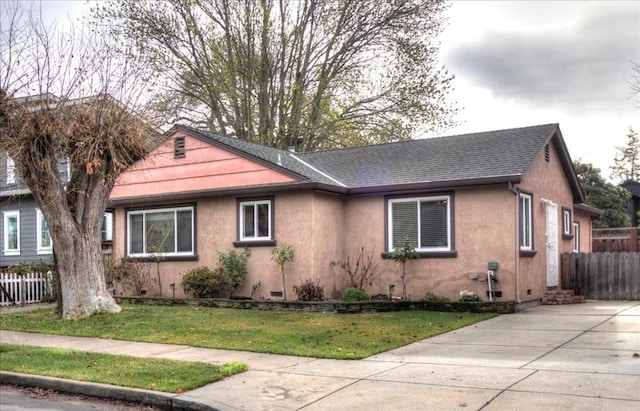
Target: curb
x=162 y=400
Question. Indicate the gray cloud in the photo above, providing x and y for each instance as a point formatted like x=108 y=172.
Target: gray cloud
x=581 y=69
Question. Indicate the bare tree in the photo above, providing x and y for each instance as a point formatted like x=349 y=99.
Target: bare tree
x=305 y=73
x=46 y=116
x=627 y=160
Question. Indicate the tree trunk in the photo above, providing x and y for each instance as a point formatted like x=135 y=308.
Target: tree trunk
x=81 y=272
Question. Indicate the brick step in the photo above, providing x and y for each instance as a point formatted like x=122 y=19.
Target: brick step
x=562 y=297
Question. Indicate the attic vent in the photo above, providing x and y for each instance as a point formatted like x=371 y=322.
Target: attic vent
x=546 y=153
x=178 y=147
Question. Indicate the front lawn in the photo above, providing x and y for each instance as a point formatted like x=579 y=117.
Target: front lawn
x=144 y=373
x=319 y=335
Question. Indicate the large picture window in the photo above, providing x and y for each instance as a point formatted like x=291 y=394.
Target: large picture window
x=11 y=233
x=44 y=245
x=425 y=222
x=255 y=220
x=526 y=223
x=167 y=232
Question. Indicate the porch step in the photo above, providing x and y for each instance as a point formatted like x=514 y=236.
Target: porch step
x=562 y=297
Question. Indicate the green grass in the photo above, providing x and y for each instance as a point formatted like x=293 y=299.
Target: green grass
x=319 y=335
x=145 y=373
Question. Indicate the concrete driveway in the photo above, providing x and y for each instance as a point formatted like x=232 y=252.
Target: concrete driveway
x=573 y=357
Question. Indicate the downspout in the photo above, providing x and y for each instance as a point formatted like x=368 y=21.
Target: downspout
x=517 y=241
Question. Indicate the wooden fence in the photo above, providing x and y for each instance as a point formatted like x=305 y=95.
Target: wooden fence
x=602 y=276
x=25 y=289
x=616 y=240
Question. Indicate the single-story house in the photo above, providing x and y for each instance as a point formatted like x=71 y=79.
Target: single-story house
x=506 y=200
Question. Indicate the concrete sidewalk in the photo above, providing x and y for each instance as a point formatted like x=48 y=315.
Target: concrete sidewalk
x=582 y=356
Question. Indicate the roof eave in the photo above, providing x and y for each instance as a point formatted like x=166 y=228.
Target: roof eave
x=437 y=185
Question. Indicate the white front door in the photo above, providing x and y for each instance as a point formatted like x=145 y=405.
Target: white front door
x=552 y=244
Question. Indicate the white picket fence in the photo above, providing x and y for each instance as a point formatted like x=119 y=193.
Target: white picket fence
x=25 y=289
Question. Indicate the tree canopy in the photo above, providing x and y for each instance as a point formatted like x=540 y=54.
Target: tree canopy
x=304 y=73
x=609 y=198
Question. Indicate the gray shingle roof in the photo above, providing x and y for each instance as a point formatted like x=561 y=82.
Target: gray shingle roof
x=462 y=157
x=502 y=155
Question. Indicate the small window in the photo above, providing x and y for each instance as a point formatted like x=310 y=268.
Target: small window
x=576 y=237
x=11 y=233
x=178 y=148
x=256 y=223
x=106 y=232
x=44 y=245
x=425 y=222
x=526 y=223
x=166 y=232
x=566 y=222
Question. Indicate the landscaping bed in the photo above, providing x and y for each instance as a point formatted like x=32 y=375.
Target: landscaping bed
x=338 y=307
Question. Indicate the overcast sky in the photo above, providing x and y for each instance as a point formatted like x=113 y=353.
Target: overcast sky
x=520 y=63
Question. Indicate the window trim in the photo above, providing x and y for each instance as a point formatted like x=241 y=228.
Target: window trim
x=242 y=241
x=182 y=255
x=6 y=215
x=40 y=249
x=525 y=249
x=566 y=223
x=576 y=237
x=435 y=252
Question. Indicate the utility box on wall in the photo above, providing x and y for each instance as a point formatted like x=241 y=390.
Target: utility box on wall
x=492 y=265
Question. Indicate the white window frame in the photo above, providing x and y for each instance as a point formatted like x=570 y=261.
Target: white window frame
x=144 y=232
x=7 y=215
x=40 y=249
x=106 y=232
x=418 y=200
x=576 y=237
x=11 y=171
x=526 y=222
x=241 y=225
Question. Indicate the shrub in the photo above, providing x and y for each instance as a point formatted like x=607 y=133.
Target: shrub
x=284 y=253
x=234 y=265
x=132 y=274
x=434 y=298
x=360 y=270
x=469 y=297
x=354 y=294
x=309 y=291
x=205 y=283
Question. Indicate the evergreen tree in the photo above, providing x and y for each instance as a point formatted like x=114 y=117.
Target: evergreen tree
x=627 y=161
x=609 y=198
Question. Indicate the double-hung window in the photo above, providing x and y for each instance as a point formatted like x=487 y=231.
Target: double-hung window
x=106 y=231
x=11 y=233
x=44 y=245
x=576 y=237
x=255 y=220
x=166 y=232
x=526 y=223
x=424 y=222
x=567 y=225
x=11 y=171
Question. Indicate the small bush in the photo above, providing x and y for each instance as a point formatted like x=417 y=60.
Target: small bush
x=205 y=283
x=354 y=294
x=134 y=275
x=469 y=297
x=234 y=265
x=434 y=298
x=309 y=291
